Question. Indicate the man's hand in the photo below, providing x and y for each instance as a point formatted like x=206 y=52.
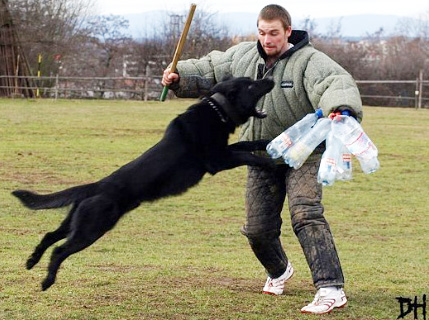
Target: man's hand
x=345 y=111
x=169 y=77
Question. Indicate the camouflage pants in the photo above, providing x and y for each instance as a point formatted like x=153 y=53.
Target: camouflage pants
x=265 y=196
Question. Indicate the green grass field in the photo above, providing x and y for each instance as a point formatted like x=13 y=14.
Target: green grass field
x=184 y=257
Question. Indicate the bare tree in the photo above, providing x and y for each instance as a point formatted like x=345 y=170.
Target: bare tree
x=49 y=27
x=108 y=48
x=308 y=24
x=205 y=35
x=109 y=37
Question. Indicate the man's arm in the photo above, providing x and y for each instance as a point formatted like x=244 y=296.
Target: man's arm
x=332 y=87
x=195 y=77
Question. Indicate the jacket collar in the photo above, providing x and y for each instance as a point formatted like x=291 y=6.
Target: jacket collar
x=298 y=38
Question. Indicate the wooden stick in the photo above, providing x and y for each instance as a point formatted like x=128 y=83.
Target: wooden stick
x=179 y=48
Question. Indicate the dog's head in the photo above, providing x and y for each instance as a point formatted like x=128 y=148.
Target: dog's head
x=238 y=97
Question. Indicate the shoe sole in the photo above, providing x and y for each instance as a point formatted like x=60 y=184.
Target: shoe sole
x=329 y=311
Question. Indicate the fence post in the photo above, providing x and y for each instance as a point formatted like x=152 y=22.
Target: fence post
x=16 y=76
x=146 y=82
x=39 y=73
x=416 y=94
x=56 y=86
x=420 y=88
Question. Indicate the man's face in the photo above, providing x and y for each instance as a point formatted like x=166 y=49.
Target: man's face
x=273 y=37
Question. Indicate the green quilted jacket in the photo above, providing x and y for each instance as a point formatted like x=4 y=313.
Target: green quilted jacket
x=305 y=79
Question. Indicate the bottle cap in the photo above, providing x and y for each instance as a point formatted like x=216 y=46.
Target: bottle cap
x=319 y=113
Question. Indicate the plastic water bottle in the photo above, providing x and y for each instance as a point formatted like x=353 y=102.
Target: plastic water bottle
x=300 y=151
x=279 y=145
x=330 y=163
x=344 y=167
x=350 y=132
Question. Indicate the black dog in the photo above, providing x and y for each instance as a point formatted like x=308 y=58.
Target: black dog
x=194 y=143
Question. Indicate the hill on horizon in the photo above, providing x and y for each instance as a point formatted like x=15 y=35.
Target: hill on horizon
x=147 y=24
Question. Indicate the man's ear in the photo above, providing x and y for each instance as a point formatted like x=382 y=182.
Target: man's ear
x=288 y=31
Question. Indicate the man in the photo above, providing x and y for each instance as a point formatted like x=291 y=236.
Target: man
x=306 y=79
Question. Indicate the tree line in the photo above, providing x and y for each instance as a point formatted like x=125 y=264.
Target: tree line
x=73 y=42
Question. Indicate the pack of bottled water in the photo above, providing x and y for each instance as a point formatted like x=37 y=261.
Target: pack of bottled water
x=336 y=162
x=347 y=130
x=282 y=143
x=344 y=137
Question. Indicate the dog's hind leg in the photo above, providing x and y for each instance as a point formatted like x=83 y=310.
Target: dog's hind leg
x=59 y=255
x=92 y=219
x=49 y=239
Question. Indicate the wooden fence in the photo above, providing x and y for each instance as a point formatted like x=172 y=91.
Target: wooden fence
x=405 y=93
x=137 y=88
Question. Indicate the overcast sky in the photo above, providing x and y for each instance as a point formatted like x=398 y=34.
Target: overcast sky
x=297 y=8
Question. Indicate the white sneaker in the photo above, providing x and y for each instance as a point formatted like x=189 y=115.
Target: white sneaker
x=326 y=300
x=277 y=285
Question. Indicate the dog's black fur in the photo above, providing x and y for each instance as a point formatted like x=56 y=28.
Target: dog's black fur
x=194 y=143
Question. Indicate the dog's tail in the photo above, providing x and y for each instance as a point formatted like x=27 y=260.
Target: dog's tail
x=55 y=200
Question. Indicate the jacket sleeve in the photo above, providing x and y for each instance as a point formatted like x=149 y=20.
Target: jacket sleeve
x=198 y=76
x=330 y=87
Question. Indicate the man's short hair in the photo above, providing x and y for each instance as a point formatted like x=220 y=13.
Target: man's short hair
x=275 y=12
